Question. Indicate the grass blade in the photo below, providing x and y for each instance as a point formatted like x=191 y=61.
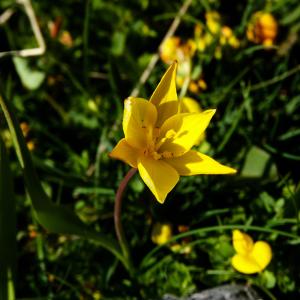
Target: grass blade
x=8 y=254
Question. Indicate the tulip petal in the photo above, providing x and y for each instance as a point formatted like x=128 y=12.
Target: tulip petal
x=138 y=121
x=242 y=242
x=188 y=128
x=193 y=163
x=158 y=176
x=125 y=152
x=189 y=105
x=165 y=96
x=262 y=254
x=245 y=264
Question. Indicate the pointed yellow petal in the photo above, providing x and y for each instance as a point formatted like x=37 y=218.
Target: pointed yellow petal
x=193 y=163
x=138 y=121
x=165 y=96
x=188 y=128
x=245 y=264
x=158 y=176
x=262 y=254
x=125 y=152
x=242 y=242
x=189 y=105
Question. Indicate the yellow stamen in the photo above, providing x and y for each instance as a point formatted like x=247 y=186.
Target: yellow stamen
x=169 y=135
x=167 y=154
x=156 y=155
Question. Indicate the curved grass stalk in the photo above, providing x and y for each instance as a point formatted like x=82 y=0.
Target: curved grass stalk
x=8 y=246
x=217 y=228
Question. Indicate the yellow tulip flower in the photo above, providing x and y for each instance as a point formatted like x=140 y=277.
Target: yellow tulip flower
x=250 y=257
x=158 y=139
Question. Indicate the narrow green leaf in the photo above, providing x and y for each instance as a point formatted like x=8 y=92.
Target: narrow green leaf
x=7 y=229
x=292 y=17
x=54 y=218
x=118 y=43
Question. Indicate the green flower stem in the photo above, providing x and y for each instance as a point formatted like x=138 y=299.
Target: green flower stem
x=117 y=215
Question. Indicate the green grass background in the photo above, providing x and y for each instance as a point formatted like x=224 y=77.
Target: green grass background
x=75 y=114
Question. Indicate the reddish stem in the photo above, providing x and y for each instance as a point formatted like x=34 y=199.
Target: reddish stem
x=117 y=213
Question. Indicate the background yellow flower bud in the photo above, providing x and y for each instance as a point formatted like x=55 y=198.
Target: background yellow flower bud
x=262 y=28
x=161 y=233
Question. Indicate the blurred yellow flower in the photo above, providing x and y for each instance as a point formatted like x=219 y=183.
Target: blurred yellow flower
x=30 y=145
x=215 y=34
x=5 y=134
x=32 y=231
x=250 y=257
x=174 y=49
x=66 y=39
x=228 y=38
x=189 y=48
x=213 y=22
x=262 y=28
x=196 y=86
x=25 y=128
x=64 y=36
x=183 y=72
x=193 y=87
x=51 y=277
x=181 y=248
x=169 y=49
x=158 y=139
x=202 y=84
x=161 y=233
x=97 y=295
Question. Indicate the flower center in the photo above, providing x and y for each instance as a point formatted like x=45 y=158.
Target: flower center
x=153 y=147
x=170 y=134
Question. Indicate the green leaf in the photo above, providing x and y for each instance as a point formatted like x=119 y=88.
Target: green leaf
x=31 y=79
x=6 y=3
x=118 y=43
x=7 y=229
x=54 y=218
x=292 y=17
x=256 y=163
